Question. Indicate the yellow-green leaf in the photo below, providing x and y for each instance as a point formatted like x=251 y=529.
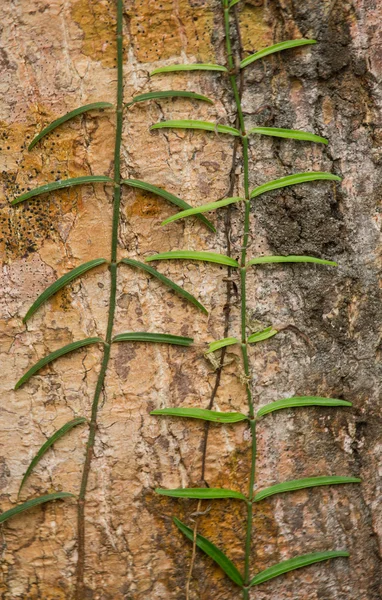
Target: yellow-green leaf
x=190 y=124
x=201 y=209
x=293 y=180
x=220 y=259
x=275 y=48
x=300 y=484
x=189 y=67
x=292 y=134
x=298 y=401
x=201 y=413
x=168 y=94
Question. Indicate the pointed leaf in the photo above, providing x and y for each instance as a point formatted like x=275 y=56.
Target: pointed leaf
x=60 y=283
x=298 y=401
x=220 y=259
x=232 y=3
x=293 y=134
x=148 y=187
x=168 y=94
x=59 y=185
x=189 y=67
x=296 y=563
x=201 y=413
x=56 y=354
x=260 y=336
x=275 y=48
x=300 y=484
x=32 y=503
x=201 y=209
x=67 y=117
x=189 y=124
x=213 y=346
x=211 y=550
x=45 y=447
x=179 y=290
x=264 y=260
x=159 y=338
x=201 y=493
x=293 y=180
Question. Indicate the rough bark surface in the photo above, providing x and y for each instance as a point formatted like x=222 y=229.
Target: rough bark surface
x=59 y=54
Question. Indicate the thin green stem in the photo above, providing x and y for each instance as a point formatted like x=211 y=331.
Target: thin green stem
x=80 y=586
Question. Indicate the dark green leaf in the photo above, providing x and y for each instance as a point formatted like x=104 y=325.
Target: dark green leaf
x=201 y=413
x=275 y=48
x=159 y=338
x=213 y=346
x=300 y=484
x=32 y=503
x=179 y=290
x=260 y=336
x=201 y=493
x=148 y=187
x=265 y=260
x=220 y=259
x=296 y=563
x=211 y=550
x=168 y=94
x=189 y=124
x=60 y=283
x=293 y=134
x=61 y=184
x=56 y=436
x=293 y=180
x=298 y=401
x=187 y=67
x=67 y=117
x=56 y=354
x=201 y=209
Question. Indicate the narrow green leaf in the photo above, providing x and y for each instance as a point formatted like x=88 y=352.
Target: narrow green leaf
x=59 y=185
x=232 y=3
x=67 y=117
x=188 y=67
x=296 y=563
x=159 y=338
x=201 y=493
x=60 y=283
x=56 y=354
x=32 y=503
x=293 y=134
x=293 y=180
x=260 y=336
x=220 y=259
x=168 y=94
x=264 y=260
x=212 y=551
x=213 y=346
x=45 y=447
x=275 y=48
x=201 y=209
x=189 y=124
x=148 y=187
x=201 y=413
x=179 y=290
x=298 y=401
x=300 y=484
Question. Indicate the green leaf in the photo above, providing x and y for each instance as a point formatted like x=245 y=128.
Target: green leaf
x=201 y=413
x=300 y=484
x=264 y=260
x=296 y=563
x=220 y=259
x=159 y=338
x=293 y=134
x=59 y=185
x=232 y=3
x=293 y=180
x=179 y=290
x=60 y=283
x=32 y=503
x=67 y=117
x=168 y=94
x=188 y=67
x=56 y=354
x=201 y=493
x=45 y=447
x=275 y=48
x=213 y=346
x=201 y=209
x=259 y=336
x=298 y=401
x=189 y=124
x=211 y=550
x=148 y=187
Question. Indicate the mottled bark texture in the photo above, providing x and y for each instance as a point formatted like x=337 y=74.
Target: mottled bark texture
x=59 y=54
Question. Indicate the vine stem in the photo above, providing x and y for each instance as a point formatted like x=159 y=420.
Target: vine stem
x=243 y=278
x=80 y=586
